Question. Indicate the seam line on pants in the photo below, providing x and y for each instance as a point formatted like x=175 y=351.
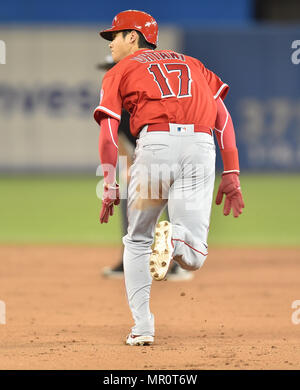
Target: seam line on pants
x=177 y=239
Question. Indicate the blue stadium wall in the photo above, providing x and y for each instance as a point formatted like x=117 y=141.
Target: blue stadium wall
x=261 y=64
x=168 y=11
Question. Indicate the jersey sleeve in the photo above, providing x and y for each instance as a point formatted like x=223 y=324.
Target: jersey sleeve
x=225 y=135
x=110 y=99
x=217 y=86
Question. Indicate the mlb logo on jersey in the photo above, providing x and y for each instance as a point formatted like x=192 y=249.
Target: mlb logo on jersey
x=182 y=129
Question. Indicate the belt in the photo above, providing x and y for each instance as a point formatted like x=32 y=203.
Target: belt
x=166 y=127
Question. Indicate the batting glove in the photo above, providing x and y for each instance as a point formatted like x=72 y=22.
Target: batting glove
x=111 y=197
x=230 y=186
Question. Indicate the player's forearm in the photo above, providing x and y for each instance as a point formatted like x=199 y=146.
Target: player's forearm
x=225 y=135
x=108 y=148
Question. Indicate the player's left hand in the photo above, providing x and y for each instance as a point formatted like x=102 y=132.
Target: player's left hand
x=111 y=197
x=230 y=186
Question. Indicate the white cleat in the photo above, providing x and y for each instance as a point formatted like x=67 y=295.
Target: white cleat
x=139 y=340
x=162 y=251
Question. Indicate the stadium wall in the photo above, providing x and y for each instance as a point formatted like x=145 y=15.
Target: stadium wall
x=50 y=85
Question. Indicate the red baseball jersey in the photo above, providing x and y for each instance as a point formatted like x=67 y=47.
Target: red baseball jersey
x=160 y=86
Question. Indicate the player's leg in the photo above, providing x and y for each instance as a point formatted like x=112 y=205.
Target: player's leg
x=143 y=214
x=137 y=250
x=190 y=202
x=175 y=272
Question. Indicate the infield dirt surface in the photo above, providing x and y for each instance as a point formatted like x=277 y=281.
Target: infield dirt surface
x=236 y=313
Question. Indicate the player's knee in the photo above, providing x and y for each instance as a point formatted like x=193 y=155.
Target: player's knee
x=199 y=260
x=195 y=262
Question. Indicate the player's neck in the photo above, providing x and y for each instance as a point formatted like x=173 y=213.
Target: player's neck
x=131 y=51
x=136 y=48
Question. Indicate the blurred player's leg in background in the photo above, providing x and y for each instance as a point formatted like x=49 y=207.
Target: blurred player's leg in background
x=117 y=271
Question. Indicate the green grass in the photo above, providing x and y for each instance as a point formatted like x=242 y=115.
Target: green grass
x=271 y=215
x=64 y=210
x=53 y=210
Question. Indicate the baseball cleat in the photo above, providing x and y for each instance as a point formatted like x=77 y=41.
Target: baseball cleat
x=162 y=251
x=139 y=340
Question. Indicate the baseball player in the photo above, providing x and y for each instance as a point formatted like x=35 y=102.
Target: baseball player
x=126 y=146
x=174 y=102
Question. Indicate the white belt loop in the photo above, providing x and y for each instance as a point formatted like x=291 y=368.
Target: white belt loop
x=143 y=131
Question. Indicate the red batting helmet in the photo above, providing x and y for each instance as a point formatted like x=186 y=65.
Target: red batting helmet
x=133 y=20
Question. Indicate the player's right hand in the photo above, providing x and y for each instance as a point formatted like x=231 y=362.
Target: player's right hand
x=111 y=197
x=230 y=186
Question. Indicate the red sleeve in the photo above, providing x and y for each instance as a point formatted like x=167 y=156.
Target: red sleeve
x=217 y=86
x=110 y=98
x=225 y=135
x=108 y=148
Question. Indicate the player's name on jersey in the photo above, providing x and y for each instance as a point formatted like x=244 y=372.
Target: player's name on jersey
x=150 y=55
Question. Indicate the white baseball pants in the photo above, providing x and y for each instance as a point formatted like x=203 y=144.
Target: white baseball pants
x=174 y=169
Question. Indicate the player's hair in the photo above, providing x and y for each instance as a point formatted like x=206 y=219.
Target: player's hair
x=142 y=41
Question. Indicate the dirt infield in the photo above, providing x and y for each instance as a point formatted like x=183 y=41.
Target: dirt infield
x=235 y=314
